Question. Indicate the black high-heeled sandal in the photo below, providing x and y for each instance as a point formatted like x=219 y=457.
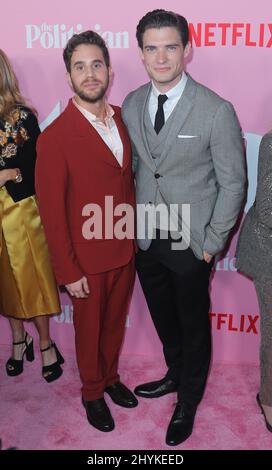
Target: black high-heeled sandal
x=16 y=366
x=55 y=371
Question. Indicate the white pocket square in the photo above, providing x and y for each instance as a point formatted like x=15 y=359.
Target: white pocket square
x=181 y=136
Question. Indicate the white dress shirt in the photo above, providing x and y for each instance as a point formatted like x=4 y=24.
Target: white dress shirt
x=173 y=96
x=108 y=131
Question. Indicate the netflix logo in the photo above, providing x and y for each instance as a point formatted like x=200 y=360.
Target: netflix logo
x=235 y=323
x=231 y=34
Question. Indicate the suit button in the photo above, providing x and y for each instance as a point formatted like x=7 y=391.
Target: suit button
x=157 y=175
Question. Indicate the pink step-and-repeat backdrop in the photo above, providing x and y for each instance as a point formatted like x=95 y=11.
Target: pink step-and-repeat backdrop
x=232 y=54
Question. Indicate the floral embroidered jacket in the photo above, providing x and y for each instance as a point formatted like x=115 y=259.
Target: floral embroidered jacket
x=18 y=138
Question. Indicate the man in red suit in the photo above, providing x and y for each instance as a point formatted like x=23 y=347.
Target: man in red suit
x=83 y=174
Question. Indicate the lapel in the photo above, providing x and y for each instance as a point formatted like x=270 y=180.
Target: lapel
x=124 y=138
x=83 y=131
x=142 y=109
x=180 y=114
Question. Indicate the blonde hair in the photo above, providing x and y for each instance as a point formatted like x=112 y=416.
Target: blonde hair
x=10 y=96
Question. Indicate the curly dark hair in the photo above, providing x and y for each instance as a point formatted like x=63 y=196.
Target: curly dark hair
x=89 y=38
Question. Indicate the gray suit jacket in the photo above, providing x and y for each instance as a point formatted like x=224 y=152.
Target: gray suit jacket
x=202 y=163
x=254 y=247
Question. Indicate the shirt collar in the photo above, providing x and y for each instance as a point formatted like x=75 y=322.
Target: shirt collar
x=175 y=92
x=92 y=117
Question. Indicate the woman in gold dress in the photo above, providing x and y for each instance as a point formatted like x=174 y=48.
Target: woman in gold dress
x=27 y=286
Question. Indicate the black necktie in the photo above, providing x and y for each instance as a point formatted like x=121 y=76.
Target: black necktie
x=159 y=118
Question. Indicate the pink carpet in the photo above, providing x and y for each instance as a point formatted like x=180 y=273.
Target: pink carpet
x=37 y=415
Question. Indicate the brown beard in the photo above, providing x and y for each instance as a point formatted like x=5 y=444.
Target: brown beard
x=91 y=99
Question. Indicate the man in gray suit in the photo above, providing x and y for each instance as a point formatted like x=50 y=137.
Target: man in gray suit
x=188 y=150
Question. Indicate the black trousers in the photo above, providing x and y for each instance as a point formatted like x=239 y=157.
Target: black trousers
x=176 y=288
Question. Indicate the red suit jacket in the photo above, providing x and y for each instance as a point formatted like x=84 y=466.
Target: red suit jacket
x=74 y=168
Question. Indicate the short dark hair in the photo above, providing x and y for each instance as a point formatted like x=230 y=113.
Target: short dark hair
x=89 y=38
x=161 y=19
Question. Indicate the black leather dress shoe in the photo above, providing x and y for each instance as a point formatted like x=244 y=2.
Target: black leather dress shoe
x=156 y=389
x=121 y=395
x=181 y=424
x=98 y=414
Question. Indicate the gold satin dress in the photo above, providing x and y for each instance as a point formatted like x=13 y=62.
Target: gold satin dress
x=27 y=284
